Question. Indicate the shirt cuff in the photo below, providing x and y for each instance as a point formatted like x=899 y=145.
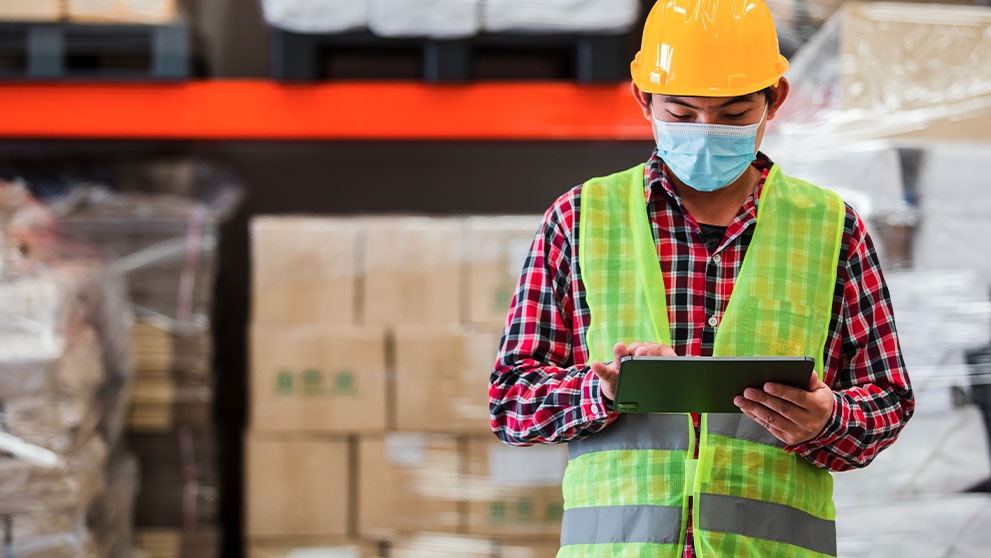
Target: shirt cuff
x=835 y=427
x=594 y=404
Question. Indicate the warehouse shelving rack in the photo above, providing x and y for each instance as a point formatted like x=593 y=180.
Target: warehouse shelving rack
x=265 y=110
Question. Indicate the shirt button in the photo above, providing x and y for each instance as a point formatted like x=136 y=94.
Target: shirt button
x=595 y=409
x=717 y=259
x=713 y=321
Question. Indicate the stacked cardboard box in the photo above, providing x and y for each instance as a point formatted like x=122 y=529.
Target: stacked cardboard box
x=66 y=486
x=371 y=347
x=90 y=11
x=166 y=247
x=35 y=10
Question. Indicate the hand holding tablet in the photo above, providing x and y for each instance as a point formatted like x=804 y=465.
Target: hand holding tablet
x=665 y=384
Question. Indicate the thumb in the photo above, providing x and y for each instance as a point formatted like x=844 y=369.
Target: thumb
x=815 y=382
x=599 y=369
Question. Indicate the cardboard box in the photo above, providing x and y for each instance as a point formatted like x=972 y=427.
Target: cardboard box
x=412 y=270
x=318 y=379
x=122 y=11
x=497 y=248
x=512 y=548
x=313 y=549
x=436 y=545
x=30 y=10
x=304 y=270
x=296 y=487
x=177 y=543
x=442 y=379
x=515 y=491
x=935 y=59
x=409 y=483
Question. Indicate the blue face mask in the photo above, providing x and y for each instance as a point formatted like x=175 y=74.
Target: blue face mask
x=706 y=157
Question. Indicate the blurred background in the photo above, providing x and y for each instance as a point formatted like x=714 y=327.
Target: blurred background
x=256 y=255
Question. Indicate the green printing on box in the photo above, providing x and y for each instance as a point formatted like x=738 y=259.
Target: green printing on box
x=523 y=510
x=310 y=383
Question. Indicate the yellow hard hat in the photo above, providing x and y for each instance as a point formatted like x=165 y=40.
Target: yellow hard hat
x=708 y=48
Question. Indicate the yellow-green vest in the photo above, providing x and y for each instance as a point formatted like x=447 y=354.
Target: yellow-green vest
x=627 y=488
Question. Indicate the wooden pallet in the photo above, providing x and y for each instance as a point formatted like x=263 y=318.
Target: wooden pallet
x=39 y=51
x=594 y=58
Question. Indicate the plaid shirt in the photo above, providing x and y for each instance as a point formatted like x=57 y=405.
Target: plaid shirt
x=542 y=391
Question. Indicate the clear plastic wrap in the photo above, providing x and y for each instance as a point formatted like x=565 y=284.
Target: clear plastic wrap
x=890 y=105
x=112 y=515
x=179 y=478
x=64 y=377
x=166 y=246
x=153 y=222
x=886 y=70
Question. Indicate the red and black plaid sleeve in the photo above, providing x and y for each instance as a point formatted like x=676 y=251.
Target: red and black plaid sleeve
x=864 y=363
x=541 y=391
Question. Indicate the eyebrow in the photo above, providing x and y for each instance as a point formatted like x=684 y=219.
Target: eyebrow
x=738 y=99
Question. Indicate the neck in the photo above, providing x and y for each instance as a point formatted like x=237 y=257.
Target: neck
x=720 y=207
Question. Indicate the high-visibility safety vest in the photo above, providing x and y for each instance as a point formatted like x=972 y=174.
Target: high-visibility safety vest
x=627 y=488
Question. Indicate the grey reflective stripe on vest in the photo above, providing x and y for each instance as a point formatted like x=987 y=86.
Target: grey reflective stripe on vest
x=741 y=427
x=768 y=521
x=637 y=432
x=621 y=524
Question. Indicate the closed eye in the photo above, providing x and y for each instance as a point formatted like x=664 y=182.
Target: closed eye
x=737 y=115
x=680 y=116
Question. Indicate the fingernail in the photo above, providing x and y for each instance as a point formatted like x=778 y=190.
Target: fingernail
x=769 y=388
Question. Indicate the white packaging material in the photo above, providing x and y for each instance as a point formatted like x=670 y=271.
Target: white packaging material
x=918 y=528
x=953 y=179
x=316 y=16
x=560 y=16
x=939 y=315
x=437 y=19
x=867 y=175
x=937 y=453
x=955 y=242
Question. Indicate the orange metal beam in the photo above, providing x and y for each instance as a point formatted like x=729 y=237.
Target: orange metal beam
x=243 y=109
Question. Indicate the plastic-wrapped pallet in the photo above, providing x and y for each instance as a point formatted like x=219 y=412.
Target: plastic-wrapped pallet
x=316 y=16
x=62 y=377
x=896 y=71
x=161 y=232
x=560 y=16
x=438 y=19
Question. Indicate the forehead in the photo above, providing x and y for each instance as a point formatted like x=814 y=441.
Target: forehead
x=706 y=102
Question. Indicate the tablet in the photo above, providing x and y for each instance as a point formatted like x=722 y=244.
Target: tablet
x=649 y=384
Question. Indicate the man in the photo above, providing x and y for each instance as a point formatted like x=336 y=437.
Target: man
x=707 y=249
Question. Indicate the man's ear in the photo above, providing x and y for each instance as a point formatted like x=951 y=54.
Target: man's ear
x=643 y=99
x=778 y=96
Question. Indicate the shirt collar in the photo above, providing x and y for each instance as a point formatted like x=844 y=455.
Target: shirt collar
x=658 y=185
